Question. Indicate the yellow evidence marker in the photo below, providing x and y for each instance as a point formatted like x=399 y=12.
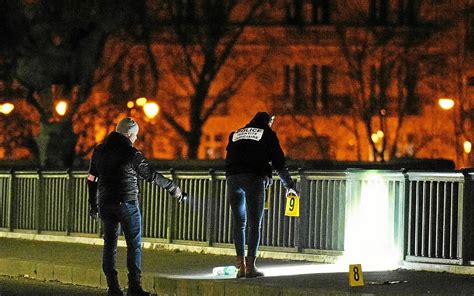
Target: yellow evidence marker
x=356 y=277
x=292 y=206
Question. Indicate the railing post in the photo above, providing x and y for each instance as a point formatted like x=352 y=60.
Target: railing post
x=468 y=221
x=10 y=202
x=210 y=208
x=68 y=202
x=39 y=202
x=170 y=232
x=406 y=196
x=461 y=223
x=304 y=210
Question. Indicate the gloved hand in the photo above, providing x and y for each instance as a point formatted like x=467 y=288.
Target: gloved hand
x=267 y=182
x=178 y=194
x=292 y=191
x=93 y=212
x=182 y=197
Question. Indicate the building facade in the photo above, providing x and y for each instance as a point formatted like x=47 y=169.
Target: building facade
x=347 y=79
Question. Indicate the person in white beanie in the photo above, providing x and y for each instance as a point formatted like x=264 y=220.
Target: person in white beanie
x=113 y=195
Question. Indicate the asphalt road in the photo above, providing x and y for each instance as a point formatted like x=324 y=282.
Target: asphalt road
x=21 y=286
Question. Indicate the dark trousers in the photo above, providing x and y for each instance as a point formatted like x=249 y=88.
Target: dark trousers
x=246 y=193
x=127 y=214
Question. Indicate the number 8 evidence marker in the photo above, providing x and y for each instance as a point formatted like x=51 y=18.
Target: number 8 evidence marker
x=356 y=277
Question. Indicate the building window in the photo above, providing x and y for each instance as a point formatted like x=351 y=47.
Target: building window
x=470 y=81
x=309 y=89
x=320 y=12
x=308 y=12
x=470 y=32
x=186 y=10
x=407 y=12
x=378 y=11
x=294 y=11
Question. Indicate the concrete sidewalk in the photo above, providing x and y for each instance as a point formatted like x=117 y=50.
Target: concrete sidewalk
x=185 y=273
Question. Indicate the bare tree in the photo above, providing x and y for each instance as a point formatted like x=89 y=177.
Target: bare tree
x=384 y=67
x=55 y=48
x=200 y=60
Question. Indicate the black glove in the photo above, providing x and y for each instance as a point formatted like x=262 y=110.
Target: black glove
x=178 y=194
x=292 y=191
x=267 y=182
x=93 y=212
x=182 y=197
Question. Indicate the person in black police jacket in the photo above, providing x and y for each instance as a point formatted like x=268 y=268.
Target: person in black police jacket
x=252 y=151
x=113 y=194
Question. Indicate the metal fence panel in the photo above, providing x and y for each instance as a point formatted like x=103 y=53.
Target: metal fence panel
x=435 y=217
x=5 y=199
x=79 y=220
x=191 y=215
x=326 y=196
x=278 y=230
x=154 y=202
x=222 y=222
x=54 y=201
x=26 y=207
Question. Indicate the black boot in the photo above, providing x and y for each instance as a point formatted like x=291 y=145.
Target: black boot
x=114 y=292
x=114 y=286
x=137 y=291
x=135 y=288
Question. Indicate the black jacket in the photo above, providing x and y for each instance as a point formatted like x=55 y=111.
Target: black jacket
x=114 y=169
x=255 y=149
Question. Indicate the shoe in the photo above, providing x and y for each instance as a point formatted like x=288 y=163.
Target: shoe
x=114 y=292
x=137 y=291
x=251 y=270
x=240 y=267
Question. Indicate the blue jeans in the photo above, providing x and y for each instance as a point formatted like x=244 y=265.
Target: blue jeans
x=127 y=214
x=246 y=193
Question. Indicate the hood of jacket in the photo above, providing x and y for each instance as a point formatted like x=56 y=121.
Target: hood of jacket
x=261 y=119
x=115 y=139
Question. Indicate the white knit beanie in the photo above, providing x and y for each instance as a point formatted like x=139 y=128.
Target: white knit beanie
x=127 y=126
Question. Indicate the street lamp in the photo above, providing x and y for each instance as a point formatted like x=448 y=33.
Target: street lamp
x=446 y=103
x=151 y=109
x=467 y=147
x=6 y=108
x=141 y=101
x=61 y=108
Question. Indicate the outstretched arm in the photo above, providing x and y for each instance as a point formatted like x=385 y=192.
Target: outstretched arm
x=279 y=163
x=147 y=172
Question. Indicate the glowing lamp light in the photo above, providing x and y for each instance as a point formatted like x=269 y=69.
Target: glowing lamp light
x=6 y=108
x=380 y=134
x=446 y=103
x=130 y=104
x=61 y=108
x=467 y=147
x=151 y=109
x=375 y=138
x=141 y=101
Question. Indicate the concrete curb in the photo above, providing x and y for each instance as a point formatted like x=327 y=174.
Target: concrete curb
x=455 y=269
x=84 y=276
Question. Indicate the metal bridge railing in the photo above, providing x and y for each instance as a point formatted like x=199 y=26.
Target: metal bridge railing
x=324 y=210
x=426 y=210
x=435 y=217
